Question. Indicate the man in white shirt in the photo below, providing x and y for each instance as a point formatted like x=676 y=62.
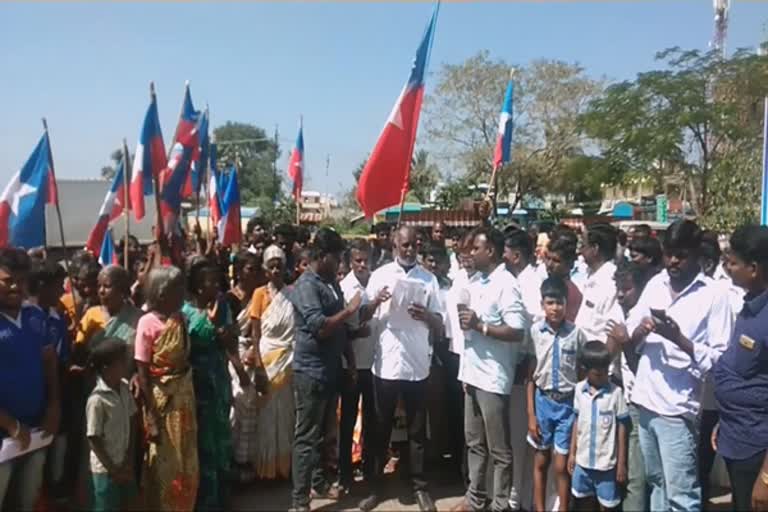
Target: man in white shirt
x=359 y=370
x=599 y=289
x=402 y=358
x=679 y=328
x=518 y=256
x=495 y=324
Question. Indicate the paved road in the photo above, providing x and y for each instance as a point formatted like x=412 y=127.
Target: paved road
x=276 y=496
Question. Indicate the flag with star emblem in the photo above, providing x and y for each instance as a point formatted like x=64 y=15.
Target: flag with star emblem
x=22 y=205
x=108 y=253
x=111 y=209
x=384 y=180
x=296 y=164
x=501 y=153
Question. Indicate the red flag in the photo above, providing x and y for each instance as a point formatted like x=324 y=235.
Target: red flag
x=384 y=180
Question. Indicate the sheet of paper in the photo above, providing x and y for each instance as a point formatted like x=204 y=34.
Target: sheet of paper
x=404 y=293
x=11 y=448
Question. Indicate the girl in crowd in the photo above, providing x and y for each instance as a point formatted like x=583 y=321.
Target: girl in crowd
x=171 y=471
x=248 y=276
x=271 y=353
x=212 y=336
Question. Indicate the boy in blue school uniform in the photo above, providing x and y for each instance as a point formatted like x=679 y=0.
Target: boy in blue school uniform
x=598 y=457
x=46 y=287
x=553 y=374
x=29 y=386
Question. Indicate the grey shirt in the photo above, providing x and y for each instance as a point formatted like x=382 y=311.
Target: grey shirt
x=314 y=300
x=108 y=415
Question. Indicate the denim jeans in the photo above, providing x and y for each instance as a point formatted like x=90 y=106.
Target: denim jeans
x=670 y=445
x=311 y=397
x=486 y=428
x=636 y=498
x=27 y=474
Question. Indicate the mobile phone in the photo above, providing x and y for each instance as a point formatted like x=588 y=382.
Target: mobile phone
x=659 y=315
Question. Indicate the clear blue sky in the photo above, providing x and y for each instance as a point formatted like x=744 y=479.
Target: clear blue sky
x=86 y=66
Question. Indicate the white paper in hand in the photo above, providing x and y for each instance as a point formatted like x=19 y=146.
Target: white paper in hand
x=12 y=448
x=405 y=293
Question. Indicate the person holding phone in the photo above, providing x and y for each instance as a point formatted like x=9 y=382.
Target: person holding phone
x=679 y=328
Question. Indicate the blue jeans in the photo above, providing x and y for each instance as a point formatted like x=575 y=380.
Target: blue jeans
x=669 y=445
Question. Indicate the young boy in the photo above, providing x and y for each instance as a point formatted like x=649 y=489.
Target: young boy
x=46 y=287
x=556 y=345
x=598 y=457
x=110 y=431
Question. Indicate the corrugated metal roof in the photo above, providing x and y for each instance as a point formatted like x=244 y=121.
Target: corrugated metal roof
x=80 y=201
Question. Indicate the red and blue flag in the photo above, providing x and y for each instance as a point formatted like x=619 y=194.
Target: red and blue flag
x=111 y=208
x=176 y=178
x=296 y=164
x=108 y=253
x=188 y=133
x=22 y=205
x=214 y=192
x=229 y=226
x=504 y=138
x=149 y=161
x=384 y=180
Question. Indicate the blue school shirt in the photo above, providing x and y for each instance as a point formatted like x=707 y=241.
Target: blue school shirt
x=22 y=378
x=741 y=384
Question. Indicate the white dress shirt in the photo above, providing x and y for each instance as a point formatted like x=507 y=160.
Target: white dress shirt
x=489 y=363
x=530 y=289
x=403 y=351
x=597 y=305
x=363 y=348
x=452 y=326
x=669 y=382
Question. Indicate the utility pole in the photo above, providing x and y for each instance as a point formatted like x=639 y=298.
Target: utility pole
x=276 y=182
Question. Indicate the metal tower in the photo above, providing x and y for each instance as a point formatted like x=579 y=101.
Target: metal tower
x=721 y=25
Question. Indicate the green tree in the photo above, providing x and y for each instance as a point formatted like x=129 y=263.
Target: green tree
x=254 y=153
x=108 y=171
x=684 y=121
x=462 y=118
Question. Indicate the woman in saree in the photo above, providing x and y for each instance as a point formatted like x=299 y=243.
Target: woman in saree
x=249 y=274
x=115 y=317
x=213 y=337
x=270 y=356
x=171 y=473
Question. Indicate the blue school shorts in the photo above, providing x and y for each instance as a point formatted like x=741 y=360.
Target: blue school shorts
x=591 y=482
x=555 y=421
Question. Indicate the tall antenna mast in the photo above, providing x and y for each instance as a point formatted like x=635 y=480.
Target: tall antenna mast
x=721 y=25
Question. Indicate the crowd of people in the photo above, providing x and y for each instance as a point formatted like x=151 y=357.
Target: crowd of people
x=582 y=368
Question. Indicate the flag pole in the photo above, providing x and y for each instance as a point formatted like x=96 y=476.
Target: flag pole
x=67 y=267
x=402 y=207
x=126 y=202
x=156 y=183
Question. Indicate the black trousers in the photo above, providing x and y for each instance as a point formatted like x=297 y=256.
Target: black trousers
x=386 y=394
x=707 y=424
x=311 y=397
x=350 y=397
x=743 y=474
